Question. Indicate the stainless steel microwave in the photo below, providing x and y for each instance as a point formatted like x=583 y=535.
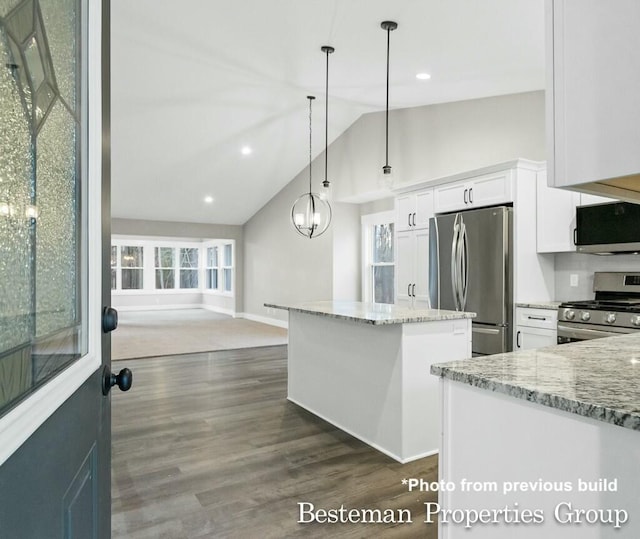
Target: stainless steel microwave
x=608 y=228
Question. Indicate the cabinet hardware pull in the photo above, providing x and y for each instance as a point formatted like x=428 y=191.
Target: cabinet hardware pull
x=465 y=196
x=471 y=196
x=409 y=290
x=575 y=236
x=413 y=290
x=414 y=219
x=518 y=345
x=409 y=219
x=536 y=317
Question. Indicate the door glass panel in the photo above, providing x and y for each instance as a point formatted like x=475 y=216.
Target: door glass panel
x=42 y=226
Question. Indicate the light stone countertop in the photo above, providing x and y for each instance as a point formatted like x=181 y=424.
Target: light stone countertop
x=598 y=378
x=551 y=305
x=372 y=313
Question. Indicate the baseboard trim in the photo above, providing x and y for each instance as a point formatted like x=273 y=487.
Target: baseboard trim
x=159 y=307
x=220 y=310
x=265 y=320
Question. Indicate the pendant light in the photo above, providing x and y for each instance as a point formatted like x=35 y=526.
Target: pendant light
x=388 y=26
x=311 y=213
x=326 y=184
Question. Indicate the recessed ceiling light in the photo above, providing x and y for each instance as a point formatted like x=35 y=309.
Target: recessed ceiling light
x=246 y=150
x=208 y=199
x=423 y=76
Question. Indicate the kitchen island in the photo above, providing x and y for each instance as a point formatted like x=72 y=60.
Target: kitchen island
x=364 y=367
x=554 y=432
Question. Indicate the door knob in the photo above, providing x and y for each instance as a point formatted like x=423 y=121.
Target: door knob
x=123 y=379
x=109 y=319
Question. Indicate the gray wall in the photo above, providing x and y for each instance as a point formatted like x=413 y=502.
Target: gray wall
x=193 y=231
x=583 y=265
x=426 y=142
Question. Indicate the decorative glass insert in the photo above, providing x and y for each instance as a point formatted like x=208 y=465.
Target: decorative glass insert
x=43 y=239
x=212 y=268
x=165 y=264
x=188 y=267
x=131 y=262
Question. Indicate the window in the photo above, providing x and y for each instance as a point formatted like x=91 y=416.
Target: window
x=228 y=267
x=114 y=267
x=131 y=267
x=378 y=272
x=165 y=267
x=212 y=268
x=188 y=267
x=382 y=264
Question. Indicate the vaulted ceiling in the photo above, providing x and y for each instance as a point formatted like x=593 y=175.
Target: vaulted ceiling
x=195 y=81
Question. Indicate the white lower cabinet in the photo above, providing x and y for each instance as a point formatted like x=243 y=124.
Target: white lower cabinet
x=535 y=328
x=412 y=268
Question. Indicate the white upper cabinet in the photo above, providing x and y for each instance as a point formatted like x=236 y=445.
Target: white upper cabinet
x=413 y=210
x=487 y=190
x=593 y=78
x=556 y=216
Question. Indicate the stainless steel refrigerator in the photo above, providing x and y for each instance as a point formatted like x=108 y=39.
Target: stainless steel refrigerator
x=471 y=269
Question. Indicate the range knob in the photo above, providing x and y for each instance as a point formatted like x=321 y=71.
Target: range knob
x=635 y=320
x=585 y=316
x=610 y=318
x=570 y=315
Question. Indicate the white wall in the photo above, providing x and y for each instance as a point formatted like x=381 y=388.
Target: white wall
x=584 y=265
x=426 y=142
x=436 y=141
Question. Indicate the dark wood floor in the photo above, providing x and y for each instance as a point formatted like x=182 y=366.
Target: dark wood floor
x=208 y=446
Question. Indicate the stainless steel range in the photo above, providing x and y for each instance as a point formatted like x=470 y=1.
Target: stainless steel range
x=615 y=309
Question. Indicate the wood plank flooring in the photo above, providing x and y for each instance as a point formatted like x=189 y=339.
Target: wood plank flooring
x=208 y=446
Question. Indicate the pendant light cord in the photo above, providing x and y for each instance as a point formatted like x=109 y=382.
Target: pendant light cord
x=326 y=123
x=386 y=158
x=310 y=98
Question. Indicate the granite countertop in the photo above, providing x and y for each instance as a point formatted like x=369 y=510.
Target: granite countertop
x=552 y=305
x=599 y=378
x=372 y=313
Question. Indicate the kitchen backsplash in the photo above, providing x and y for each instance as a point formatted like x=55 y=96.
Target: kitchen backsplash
x=584 y=265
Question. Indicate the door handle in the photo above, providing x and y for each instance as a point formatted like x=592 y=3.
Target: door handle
x=471 y=195
x=575 y=236
x=408 y=219
x=413 y=290
x=518 y=345
x=414 y=219
x=109 y=319
x=409 y=290
x=465 y=196
x=123 y=379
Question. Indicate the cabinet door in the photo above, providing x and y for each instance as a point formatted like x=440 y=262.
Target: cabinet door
x=593 y=106
x=555 y=218
x=405 y=207
x=490 y=190
x=451 y=197
x=529 y=338
x=424 y=209
x=405 y=261
x=421 y=277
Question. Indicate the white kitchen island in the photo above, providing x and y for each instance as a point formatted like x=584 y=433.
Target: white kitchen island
x=545 y=442
x=364 y=367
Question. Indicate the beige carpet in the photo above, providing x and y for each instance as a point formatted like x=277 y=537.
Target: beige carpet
x=185 y=331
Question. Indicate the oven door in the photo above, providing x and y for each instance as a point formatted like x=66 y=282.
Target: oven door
x=568 y=332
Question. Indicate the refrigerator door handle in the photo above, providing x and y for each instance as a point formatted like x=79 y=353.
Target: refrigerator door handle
x=454 y=258
x=464 y=251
